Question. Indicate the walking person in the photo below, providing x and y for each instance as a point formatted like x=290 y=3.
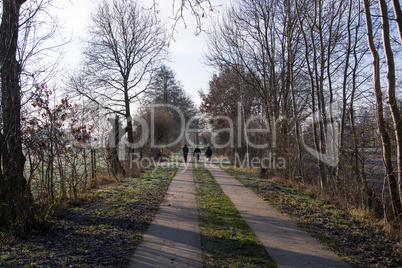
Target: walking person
x=197 y=153
x=185 y=152
x=208 y=154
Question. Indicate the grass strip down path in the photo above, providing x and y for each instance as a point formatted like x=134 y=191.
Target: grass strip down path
x=226 y=239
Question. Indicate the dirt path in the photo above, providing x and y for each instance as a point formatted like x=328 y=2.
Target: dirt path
x=287 y=244
x=173 y=238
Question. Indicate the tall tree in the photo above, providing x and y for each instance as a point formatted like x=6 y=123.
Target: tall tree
x=229 y=97
x=398 y=16
x=126 y=44
x=166 y=89
x=392 y=100
x=247 y=40
x=15 y=195
x=385 y=139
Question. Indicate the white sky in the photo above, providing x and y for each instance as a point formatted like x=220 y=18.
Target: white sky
x=186 y=51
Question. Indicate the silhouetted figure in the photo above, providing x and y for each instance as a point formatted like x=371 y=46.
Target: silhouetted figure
x=185 y=152
x=197 y=153
x=208 y=153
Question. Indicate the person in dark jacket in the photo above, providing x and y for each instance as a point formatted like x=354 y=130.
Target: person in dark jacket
x=208 y=153
x=197 y=153
x=185 y=152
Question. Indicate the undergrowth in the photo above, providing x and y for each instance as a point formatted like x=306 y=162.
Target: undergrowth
x=101 y=231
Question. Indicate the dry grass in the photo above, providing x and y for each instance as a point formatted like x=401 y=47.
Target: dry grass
x=108 y=178
x=279 y=179
x=310 y=192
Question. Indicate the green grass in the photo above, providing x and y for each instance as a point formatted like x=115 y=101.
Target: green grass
x=226 y=239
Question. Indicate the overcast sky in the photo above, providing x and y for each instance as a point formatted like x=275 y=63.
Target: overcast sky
x=186 y=51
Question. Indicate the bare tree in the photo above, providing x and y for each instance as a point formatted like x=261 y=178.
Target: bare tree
x=385 y=139
x=15 y=194
x=39 y=45
x=398 y=16
x=166 y=89
x=125 y=47
x=24 y=30
x=392 y=100
x=199 y=9
x=247 y=40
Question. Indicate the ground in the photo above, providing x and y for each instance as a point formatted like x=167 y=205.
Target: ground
x=104 y=230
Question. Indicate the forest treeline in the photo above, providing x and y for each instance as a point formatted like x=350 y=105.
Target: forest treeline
x=305 y=91
x=321 y=77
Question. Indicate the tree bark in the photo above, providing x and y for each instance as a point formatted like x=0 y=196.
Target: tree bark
x=113 y=149
x=398 y=16
x=314 y=89
x=392 y=101
x=15 y=194
x=385 y=140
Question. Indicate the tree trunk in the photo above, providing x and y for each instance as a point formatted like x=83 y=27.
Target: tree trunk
x=385 y=140
x=312 y=73
x=398 y=16
x=113 y=153
x=290 y=71
x=93 y=169
x=129 y=127
x=392 y=102
x=15 y=194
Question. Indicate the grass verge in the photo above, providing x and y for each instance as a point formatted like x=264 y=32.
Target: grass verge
x=101 y=232
x=355 y=241
x=226 y=239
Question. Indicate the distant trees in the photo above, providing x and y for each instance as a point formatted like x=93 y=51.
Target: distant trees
x=164 y=88
x=166 y=107
x=125 y=47
x=229 y=96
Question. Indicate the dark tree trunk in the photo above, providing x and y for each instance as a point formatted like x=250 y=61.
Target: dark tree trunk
x=392 y=100
x=385 y=139
x=15 y=194
x=398 y=16
x=113 y=150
